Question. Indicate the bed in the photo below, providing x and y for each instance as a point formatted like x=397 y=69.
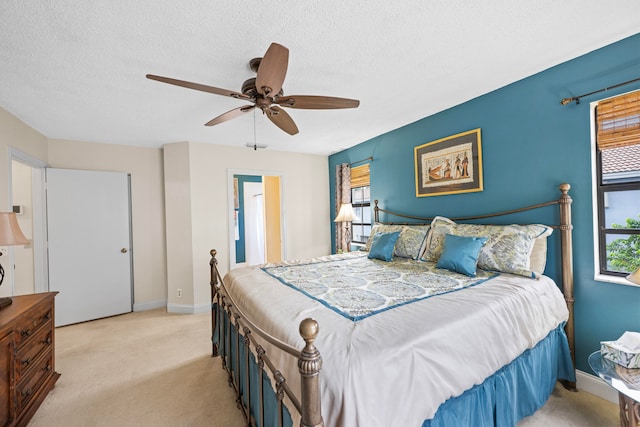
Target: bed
x=356 y=340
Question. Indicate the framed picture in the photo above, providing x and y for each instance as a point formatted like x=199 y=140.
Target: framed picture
x=449 y=165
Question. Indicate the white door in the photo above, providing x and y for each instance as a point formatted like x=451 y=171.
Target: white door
x=88 y=222
x=253 y=223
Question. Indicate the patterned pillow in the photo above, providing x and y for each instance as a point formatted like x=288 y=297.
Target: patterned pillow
x=508 y=248
x=440 y=226
x=410 y=242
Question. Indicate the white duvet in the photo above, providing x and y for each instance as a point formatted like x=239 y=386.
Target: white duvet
x=397 y=367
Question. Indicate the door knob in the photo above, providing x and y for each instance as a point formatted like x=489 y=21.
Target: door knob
x=123 y=250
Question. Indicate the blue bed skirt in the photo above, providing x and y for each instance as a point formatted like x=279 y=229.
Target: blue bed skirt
x=517 y=390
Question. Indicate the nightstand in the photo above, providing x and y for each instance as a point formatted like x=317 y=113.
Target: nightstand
x=625 y=381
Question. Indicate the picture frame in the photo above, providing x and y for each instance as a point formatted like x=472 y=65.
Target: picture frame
x=450 y=165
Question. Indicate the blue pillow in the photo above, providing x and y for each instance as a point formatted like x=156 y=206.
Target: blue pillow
x=382 y=245
x=460 y=254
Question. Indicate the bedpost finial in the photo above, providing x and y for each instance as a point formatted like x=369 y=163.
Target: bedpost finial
x=213 y=253
x=309 y=330
x=564 y=187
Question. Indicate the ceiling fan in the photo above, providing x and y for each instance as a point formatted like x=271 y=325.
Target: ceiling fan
x=265 y=92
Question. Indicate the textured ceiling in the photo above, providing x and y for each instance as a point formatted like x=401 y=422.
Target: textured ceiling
x=75 y=69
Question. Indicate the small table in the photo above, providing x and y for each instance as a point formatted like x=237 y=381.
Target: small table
x=620 y=378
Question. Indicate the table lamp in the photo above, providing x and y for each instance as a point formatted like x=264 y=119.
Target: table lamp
x=347 y=215
x=10 y=235
x=634 y=277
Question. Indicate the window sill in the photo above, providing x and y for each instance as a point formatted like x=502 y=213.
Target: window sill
x=613 y=279
x=356 y=246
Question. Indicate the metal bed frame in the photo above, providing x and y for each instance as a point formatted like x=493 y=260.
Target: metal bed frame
x=235 y=329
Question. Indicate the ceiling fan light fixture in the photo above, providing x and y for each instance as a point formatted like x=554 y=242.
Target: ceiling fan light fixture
x=265 y=92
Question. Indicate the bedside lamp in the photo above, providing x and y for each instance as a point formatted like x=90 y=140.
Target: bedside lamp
x=10 y=235
x=347 y=215
x=634 y=277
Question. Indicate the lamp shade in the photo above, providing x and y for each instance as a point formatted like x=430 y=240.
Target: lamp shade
x=346 y=214
x=10 y=233
x=634 y=277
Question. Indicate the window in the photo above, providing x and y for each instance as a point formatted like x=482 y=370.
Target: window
x=361 y=202
x=617 y=183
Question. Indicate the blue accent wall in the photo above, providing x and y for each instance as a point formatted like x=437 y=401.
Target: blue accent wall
x=530 y=145
x=240 y=243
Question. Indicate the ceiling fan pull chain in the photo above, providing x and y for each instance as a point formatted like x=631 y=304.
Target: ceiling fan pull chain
x=255 y=139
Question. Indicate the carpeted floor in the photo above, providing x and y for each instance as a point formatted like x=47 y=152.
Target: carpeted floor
x=154 y=368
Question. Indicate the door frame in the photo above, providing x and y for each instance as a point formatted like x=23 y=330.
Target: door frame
x=230 y=210
x=39 y=238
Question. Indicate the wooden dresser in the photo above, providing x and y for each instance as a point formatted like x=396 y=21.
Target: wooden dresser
x=27 y=356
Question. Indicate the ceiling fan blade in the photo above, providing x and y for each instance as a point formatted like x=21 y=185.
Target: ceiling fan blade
x=312 y=102
x=198 y=86
x=232 y=114
x=272 y=70
x=280 y=118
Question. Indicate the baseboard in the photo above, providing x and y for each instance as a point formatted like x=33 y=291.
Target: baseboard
x=150 y=305
x=596 y=386
x=188 y=309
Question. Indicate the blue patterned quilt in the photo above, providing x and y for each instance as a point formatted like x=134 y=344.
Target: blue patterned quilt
x=358 y=287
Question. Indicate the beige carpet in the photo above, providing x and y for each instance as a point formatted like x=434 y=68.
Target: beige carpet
x=154 y=369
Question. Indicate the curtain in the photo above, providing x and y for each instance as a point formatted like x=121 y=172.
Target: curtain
x=254 y=230
x=343 y=195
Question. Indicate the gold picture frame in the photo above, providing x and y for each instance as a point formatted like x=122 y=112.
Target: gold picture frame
x=450 y=165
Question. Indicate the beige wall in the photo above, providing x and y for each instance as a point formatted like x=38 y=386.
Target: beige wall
x=305 y=195
x=147 y=204
x=193 y=179
x=15 y=133
x=177 y=184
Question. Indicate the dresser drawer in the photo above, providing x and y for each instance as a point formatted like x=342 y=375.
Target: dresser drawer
x=31 y=322
x=31 y=384
x=28 y=355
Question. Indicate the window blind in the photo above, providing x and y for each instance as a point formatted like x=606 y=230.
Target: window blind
x=360 y=176
x=618 y=121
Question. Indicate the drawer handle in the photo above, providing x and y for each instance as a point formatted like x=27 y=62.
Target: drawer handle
x=46 y=340
x=25 y=393
x=26 y=362
x=47 y=368
x=26 y=332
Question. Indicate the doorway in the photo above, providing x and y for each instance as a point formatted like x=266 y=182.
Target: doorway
x=27 y=199
x=256 y=217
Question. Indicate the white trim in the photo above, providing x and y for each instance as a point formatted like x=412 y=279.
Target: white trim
x=230 y=204
x=596 y=386
x=594 y=189
x=40 y=253
x=188 y=309
x=21 y=156
x=150 y=305
x=612 y=279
